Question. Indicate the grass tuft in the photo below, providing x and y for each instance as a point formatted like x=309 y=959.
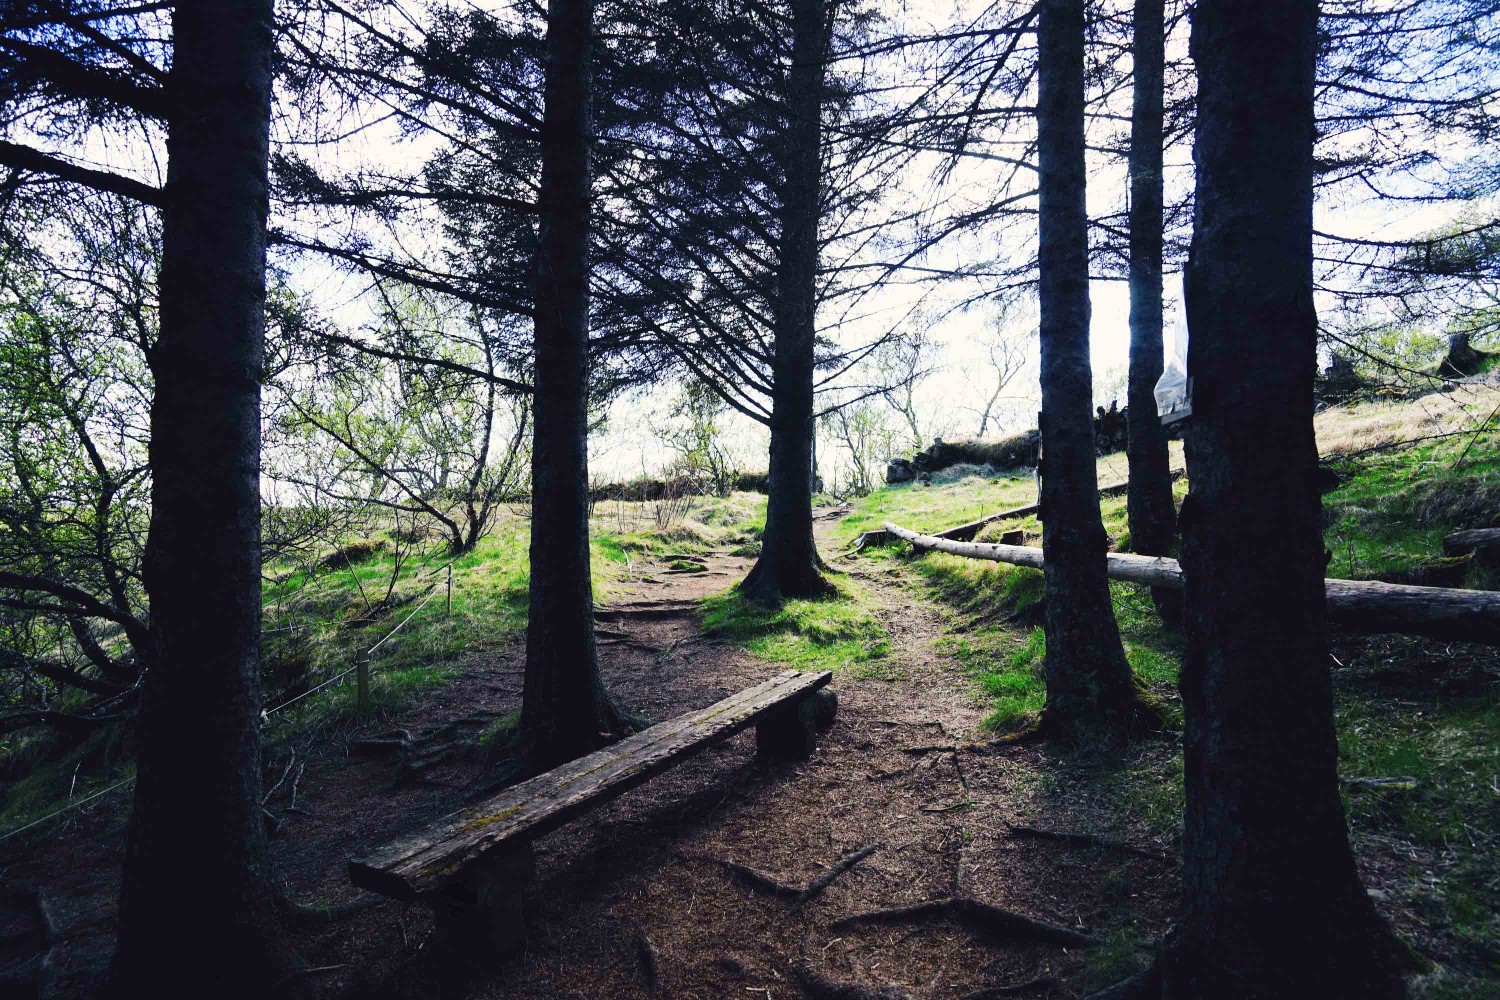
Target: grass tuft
x=834 y=633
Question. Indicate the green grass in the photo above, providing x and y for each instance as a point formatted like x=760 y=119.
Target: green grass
x=490 y=596
x=1005 y=653
x=51 y=786
x=502 y=732
x=836 y=633
x=931 y=508
x=1453 y=753
x=391 y=690
x=1009 y=674
x=1119 y=957
x=983 y=589
x=1394 y=508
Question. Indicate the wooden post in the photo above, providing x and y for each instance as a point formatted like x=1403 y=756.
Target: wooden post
x=787 y=732
x=483 y=914
x=362 y=676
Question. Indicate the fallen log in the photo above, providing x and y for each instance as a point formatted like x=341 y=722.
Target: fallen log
x=966 y=531
x=1355 y=605
x=1461 y=543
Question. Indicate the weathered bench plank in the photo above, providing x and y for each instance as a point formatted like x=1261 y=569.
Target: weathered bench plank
x=424 y=862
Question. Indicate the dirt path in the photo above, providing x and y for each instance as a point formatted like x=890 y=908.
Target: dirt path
x=644 y=874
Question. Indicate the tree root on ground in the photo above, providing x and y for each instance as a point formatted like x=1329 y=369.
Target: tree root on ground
x=301 y=915
x=819 y=988
x=982 y=918
x=816 y=886
x=765 y=883
x=1143 y=985
x=1012 y=989
x=759 y=881
x=645 y=953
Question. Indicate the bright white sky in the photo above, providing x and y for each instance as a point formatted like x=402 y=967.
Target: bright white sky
x=948 y=399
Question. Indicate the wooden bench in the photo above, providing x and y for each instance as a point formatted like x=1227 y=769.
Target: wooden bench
x=471 y=865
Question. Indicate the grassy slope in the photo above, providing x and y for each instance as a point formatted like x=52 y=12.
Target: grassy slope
x=489 y=592
x=1001 y=639
x=1391 y=513
x=316 y=624
x=839 y=633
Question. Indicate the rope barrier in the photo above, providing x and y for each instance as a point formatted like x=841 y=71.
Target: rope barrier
x=67 y=808
x=265 y=714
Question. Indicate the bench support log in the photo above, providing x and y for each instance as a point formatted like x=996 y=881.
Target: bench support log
x=789 y=731
x=481 y=912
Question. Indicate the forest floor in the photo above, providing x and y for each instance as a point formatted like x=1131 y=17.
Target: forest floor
x=904 y=766
x=932 y=656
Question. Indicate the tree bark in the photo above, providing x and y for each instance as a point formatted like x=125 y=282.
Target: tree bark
x=565 y=711
x=1273 y=906
x=1153 y=519
x=197 y=911
x=789 y=565
x=1091 y=694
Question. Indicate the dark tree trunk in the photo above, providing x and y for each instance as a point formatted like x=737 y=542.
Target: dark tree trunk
x=565 y=711
x=1273 y=906
x=1091 y=694
x=789 y=565
x=1153 y=519
x=197 y=912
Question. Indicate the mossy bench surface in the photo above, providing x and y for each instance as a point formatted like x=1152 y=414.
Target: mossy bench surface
x=425 y=861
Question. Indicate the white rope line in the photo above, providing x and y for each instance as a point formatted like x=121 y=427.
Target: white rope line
x=67 y=808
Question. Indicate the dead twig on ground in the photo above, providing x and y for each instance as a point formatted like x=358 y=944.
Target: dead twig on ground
x=816 y=886
x=291 y=762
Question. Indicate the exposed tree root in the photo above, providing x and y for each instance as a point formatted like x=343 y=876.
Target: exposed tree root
x=1085 y=839
x=762 y=882
x=317 y=970
x=301 y=915
x=991 y=992
x=646 y=609
x=1144 y=985
x=645 y=953
x=1038 y=732
x=759 y=881
x=648 y=647
x=816 y=886
x=981 y=918
x=818 y=988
